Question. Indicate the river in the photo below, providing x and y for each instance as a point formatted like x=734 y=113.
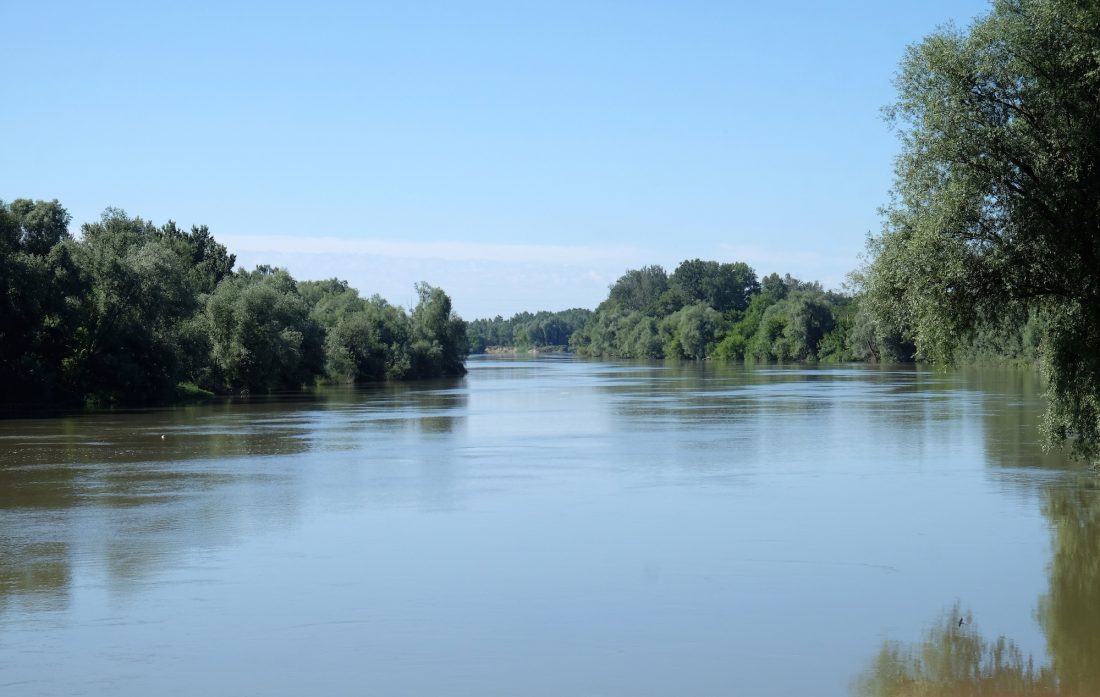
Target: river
x=554 y=527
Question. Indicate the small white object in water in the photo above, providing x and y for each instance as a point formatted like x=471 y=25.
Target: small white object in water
x=162 y=436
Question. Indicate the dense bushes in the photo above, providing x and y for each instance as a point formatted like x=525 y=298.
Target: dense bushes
x=525 y=330
x=706 y=309
x=130 y=310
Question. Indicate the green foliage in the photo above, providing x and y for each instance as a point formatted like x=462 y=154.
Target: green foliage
x=439 y=341
x=190 y=392
x=996 y=212
x=775 y=286
x=1071 y=609
x=723 y=287
x=955 y=659
x=373 y=340
x=138 y=294
x=639 y=290
x=369 y=343
x=619 y=332
x=871 y=339
x=715 y=310
x=793 y=327
x=525 y=330
x=263 y=337
x=35 y=226
x=207 y=261
x=131 y=312
x=691 y=331
x=40 y=295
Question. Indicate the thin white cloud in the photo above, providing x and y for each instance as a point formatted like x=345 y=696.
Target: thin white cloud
x=487 y=279
x=483 y=279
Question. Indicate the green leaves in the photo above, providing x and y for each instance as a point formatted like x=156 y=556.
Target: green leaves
x=716 y=310
x=525 y=330
x=131 y=310
x=997 y=196
x=263 y=337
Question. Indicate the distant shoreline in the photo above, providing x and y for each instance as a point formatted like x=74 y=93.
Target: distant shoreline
x=519 y=351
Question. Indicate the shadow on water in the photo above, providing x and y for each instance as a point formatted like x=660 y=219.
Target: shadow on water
x=128 y=491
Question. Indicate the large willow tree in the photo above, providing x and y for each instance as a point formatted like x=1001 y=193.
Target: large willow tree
x=996 y=210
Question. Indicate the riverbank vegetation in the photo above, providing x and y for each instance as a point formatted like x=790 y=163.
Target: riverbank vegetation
x=707 y=309
x=527 y=331
x=995 y=219
x=721 y=311
x=131 y=312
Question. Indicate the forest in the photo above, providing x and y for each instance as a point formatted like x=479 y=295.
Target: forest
x=707 y=309
x=525 y=330
x=715 y=310
x=135 y=313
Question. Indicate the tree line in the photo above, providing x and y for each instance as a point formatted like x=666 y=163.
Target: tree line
x=708 y=309
x=132 y=312
x=525 y=330
x=705 y=310
x=716 y=310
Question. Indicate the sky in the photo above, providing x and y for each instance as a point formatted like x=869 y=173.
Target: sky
x=520 y=155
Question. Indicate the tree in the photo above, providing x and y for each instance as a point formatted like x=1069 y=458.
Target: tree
x=439 y=342
x=690 y=332
x=369 y=342
x=40 y=292
x=208 y=261
x=136 y=295
x=723 y=287
x=996 y=209
x=262 y=336
x=639 y=289
x=774 y=285
x=39 y=225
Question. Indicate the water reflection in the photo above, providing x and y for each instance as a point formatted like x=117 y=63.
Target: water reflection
x=1070 y=612
x=639 y=523
x=126 y=493
x=955 y=659
x=1011 y=415
x=34 y=572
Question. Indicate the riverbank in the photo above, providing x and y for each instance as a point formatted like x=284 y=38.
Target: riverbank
x=522 y=351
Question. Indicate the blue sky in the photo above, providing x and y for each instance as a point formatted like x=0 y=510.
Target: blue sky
x=521 y=155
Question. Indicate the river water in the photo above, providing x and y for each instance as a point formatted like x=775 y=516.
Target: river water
x=556 y=527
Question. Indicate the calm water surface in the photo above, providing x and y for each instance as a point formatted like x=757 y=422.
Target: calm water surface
x=555 y=527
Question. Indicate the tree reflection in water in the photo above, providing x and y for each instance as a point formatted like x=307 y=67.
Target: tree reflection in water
x=1070 y=612
x=955 y=659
